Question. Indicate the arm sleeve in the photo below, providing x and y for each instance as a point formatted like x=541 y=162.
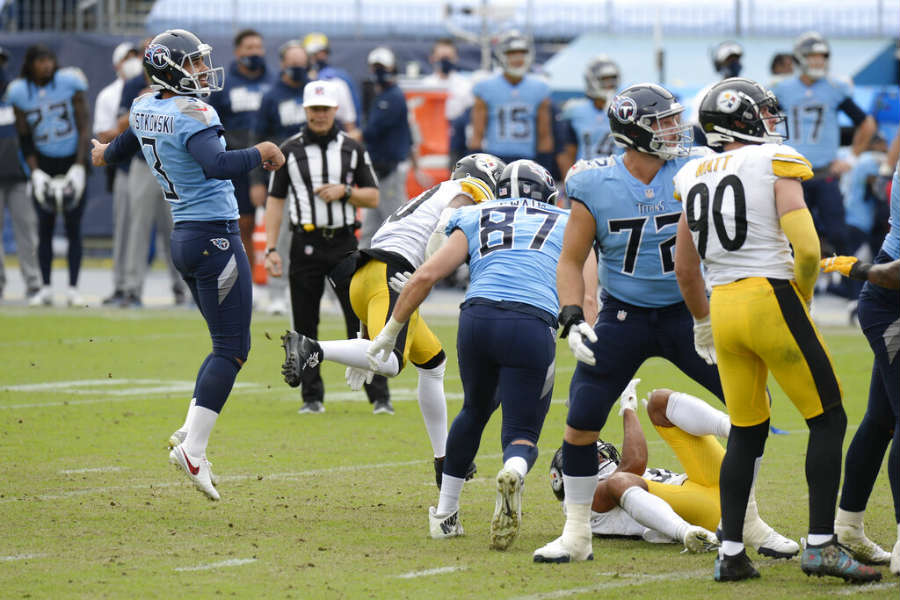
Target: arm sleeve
x=218 y=163
x=364 y=175
x=801 y=233
x=122 y=148
x=852 y=110
x=278 y=182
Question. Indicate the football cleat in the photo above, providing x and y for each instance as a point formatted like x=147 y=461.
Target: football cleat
x=382 y=407
x=562 y=550
x=696 y=540
x=300 y=353
x=439 y=471
x=74 y=299
x=895 y=558
x=312 y=408
x=768 y=542
x=735 y=568
x=442 y=527
x=196 y=468
x=178 y=437
x=43 y=297
x=507 y=510
x=831 y=558
x=860 y=547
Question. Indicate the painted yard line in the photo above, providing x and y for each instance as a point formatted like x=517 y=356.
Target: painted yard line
x=52 y=386
x=861 y=589
x=91 y=470
x=426 y=572
x=623 y=581
x=20 y=557
x=231 y=562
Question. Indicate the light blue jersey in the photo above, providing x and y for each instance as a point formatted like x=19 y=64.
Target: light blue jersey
x=892 y=239
x=636 y=227
x=163 y=128
x=812 y=113
x=590 y=130
x=514 y=247
x=512 y=114
x=49 y=110
x=859 y=209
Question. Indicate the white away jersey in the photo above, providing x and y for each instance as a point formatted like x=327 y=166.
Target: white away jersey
x=407 y=231
x=617 y=522
x=729 y=202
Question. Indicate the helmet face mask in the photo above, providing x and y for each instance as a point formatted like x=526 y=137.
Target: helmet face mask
x=647 y=118
x=810 y=45
x=513 y=42
x=741 y=110
x=177 y=61
x=601 y=79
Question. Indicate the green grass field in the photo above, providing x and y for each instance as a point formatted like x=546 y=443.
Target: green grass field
x=317 y=506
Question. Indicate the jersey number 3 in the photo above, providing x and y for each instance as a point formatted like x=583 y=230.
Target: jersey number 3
x=698 y=202
x=157 y=166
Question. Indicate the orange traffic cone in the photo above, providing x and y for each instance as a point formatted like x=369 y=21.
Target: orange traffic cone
x=259 y=248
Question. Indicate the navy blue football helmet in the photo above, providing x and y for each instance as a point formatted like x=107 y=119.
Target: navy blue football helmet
x=636 y=119
x=527 y=179
x=176 y=60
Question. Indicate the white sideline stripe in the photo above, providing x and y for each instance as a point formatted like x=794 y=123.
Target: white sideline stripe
x=91 y=470
x=20 y=557
x=868 y=587
x=158 y=384
x=624 y=581
x=231 y=562
x=426 y=572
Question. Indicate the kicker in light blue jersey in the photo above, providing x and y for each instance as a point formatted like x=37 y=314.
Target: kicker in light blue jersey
x=812 y=116
x=49 y=110
x=512 y=114
x=590 y=130
x=636 y=227
x=163 y=128
x=514 y=247
x=859 y=205
x=892 y=239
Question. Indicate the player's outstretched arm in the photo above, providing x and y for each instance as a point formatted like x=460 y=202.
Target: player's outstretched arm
x=886 y=275
x=123 y=147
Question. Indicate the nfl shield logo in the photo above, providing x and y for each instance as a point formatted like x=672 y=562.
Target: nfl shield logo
x=221 y=243
x=621 y=315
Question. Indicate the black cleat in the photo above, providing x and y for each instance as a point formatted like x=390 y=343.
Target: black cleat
x=831 y=558
x=439 y=471
x=300 y=353
x=735 y=568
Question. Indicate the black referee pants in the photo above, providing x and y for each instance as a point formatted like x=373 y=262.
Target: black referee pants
x=313 y=255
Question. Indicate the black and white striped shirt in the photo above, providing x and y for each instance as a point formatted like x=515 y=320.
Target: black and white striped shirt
x=312 y=161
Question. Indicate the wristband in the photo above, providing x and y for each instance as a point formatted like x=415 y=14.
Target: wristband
x=860 y=271
x=348 y=191
x=271 y=250
x=568 y=316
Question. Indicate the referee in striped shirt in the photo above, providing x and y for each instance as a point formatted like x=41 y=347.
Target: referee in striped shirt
x=326 y=177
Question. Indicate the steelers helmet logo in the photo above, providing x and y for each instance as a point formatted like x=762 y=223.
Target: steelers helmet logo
x=624 y=108
x=728 y=101
x=157 y=55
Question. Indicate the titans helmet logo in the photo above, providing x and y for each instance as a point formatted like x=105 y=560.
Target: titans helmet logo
x=157 y=55
x=624 y=109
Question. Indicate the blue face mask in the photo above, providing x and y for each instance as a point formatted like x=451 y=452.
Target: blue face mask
x=253 y=62
x=296 y=74
x=382 y=75
x=731 y=69
x=446 y=65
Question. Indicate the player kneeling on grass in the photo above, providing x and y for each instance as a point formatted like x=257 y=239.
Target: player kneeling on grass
x=657 y=504
x=506 y=340
x=405 y=240
x=181 y=139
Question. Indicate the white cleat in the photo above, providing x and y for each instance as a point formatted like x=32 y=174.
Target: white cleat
x=861 y=547
x=507 y=510
x=197 y=470
x=768 y=542
x=697 y=539
x=442 y=527
x=562 y=550
x=895 y=558
x=277 y=306
x=74 y=299
x=177 y=438
x=44 y=297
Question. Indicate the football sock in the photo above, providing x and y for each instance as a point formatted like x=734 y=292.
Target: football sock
x=848 y=518
x=433 y=405
x=823 y=467
x=817 y=539
x=200 y=374
x=527 y=454
x=580 y=461
x=201 y=425
x=517 y=464
x=579 y=490
x=695 y=416
x=215 y=383
x=864 y=457
x=353 y=354
x=578 y=522
x=451 y=488
x=187 y=417
x=653 y=512
x=739 y=466
x=730 y=548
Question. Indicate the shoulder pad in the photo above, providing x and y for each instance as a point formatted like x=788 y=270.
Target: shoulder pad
x=195 y=109
x=74 y=73
x=590 y=164
x=787 y=162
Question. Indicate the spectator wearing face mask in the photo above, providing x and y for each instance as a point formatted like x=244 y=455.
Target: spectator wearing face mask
x=127 y=65
x=319 y=50
x=726 y=61
x=444 y=60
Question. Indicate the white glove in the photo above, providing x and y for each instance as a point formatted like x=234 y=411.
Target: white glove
x=399 y=280
x=628 y=399
x=576 y=342
x=435 y=242
x=703 y=340
x=383 y=343
x=75 y=177
x=39 y=183
x=357 y=377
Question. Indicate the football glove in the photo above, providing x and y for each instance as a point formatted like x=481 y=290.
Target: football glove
x=40 y=182
x=848 y=266
x=398 y=281
x=703 y=340
x=75 y=177
x=357 y=377
x=628 y=399
x=383 y=343
x=577 y=334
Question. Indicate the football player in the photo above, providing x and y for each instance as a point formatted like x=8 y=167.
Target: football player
x=879 y=317
x=811 y=100
x=180 y=137
x=743 y=213
x=511 y=115
x=399 y=247
x=657 y=504
x=585 y=120
x=506 y=341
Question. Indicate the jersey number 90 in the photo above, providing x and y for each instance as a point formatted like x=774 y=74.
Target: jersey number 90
x=698 y=209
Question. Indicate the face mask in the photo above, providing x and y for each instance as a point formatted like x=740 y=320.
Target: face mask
x=254 y=62
x=131 y=68
x=446 y=65
x=382 y=76
x=731 y=69
x=321 y=64
x=297 y=74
